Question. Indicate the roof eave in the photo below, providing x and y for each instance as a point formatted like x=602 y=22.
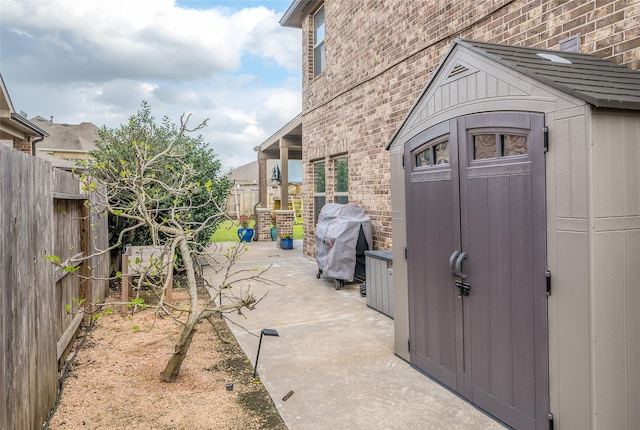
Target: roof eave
x=295 y=13
x=25 y=123
x=286 y=129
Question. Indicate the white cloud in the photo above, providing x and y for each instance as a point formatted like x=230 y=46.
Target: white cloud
x=155 y=39
x=96 y=61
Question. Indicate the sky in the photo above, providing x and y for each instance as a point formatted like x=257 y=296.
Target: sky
x=228 y=61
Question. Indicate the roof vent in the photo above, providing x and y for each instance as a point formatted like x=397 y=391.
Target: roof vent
x=554 y=58
x=570 y=44
x=457 y=69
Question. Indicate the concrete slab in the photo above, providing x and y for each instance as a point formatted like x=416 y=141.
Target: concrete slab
x=336 y=355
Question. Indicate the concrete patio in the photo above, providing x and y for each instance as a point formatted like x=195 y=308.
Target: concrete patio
x=336 y=355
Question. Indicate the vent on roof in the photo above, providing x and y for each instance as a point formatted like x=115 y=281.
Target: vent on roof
x=570 y=44
x=554 y=58
x=457 y=69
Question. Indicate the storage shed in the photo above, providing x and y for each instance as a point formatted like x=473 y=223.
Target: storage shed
x=516 y=233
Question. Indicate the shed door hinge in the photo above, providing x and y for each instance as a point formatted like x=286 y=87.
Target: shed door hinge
x=409 y=344
x=403 y=161
x=550 y=416
x=545 y=130
x=406 y=253
x=547 y=274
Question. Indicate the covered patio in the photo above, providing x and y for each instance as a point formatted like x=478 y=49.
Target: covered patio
x=284 y=145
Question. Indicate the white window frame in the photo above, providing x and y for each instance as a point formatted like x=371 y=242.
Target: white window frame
x=341 y=195
x=319 y=61
x=319 y=195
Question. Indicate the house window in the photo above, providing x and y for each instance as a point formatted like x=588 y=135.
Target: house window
x=319 y=189
x=341 y=193
x=318 y=42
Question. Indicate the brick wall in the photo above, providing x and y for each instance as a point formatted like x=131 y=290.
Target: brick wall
x=284 y=223
x=22 y=145
x=263 y=222
x=381 y=53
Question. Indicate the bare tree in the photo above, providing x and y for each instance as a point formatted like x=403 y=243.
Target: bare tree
x=144 y=177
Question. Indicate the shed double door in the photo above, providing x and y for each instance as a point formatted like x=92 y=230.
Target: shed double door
x=476 y=259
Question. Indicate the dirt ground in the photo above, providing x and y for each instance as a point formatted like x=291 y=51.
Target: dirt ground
x=114 y=383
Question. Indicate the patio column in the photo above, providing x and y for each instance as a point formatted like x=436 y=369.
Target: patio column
x=284 y=173
x=262 y=178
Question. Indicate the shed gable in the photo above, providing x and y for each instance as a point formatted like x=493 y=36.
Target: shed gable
x=466 y=82
x=462 y=84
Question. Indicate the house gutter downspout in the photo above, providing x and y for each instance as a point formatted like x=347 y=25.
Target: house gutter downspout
x=34 y=143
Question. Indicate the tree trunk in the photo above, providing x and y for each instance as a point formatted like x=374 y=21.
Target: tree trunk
x=170 y=372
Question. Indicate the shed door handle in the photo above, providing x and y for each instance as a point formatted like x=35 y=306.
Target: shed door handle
x=458 y=265
x=452 y=261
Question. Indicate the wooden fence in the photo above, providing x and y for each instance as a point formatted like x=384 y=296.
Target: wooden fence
x=42 y=213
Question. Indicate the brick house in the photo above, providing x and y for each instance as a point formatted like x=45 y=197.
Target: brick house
x=365 y=68
x=364 y=63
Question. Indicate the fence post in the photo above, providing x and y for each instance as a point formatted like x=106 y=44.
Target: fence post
x=85 y=271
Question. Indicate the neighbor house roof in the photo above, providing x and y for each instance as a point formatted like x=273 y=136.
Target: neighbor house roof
x=598 y=82
x=67 y=137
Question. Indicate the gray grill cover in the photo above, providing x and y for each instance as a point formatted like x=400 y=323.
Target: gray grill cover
x=337 y=234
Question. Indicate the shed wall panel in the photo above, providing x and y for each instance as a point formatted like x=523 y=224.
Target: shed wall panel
x=616 y=272
x=610 y=367
x=400 y=277
x=616 y=165
x=632 y=251
x=571 y=167
x=573 y=335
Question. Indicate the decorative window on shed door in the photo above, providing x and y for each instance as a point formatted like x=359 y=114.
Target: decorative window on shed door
x=432 y=154
x=497 y=145
x=341 y=191
x=318 y=42
x=319 y=189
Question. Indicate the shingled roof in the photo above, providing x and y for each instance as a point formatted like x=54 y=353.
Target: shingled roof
x=594 y=80
x=64 y=137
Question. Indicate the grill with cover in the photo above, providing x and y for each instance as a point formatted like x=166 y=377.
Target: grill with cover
x=343 y=234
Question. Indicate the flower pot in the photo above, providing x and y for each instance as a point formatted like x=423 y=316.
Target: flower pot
x=274 y=233
x=286 y=243
x=245 y=234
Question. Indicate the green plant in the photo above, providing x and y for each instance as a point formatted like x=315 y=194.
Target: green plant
x=273 y=220
x=244 y=220
x=286 y=236
x=147 y=175
x=141 y=141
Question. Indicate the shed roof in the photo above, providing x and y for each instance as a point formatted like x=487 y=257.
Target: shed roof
x=598 y=82
x=582 y=77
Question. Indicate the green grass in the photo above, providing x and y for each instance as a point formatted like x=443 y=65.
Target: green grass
x=228 y=231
